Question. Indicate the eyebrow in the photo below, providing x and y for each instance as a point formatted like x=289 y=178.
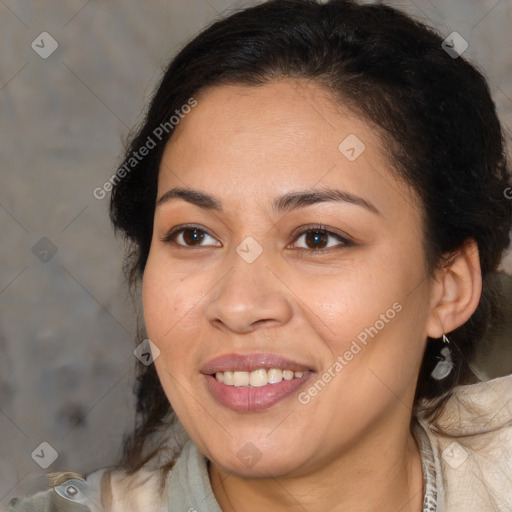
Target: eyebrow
x=282 y=204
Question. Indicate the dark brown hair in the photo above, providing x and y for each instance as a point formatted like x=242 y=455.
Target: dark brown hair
x=434 y=113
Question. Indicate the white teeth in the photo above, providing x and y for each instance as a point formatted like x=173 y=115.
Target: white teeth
x=275 y=375
x=257 y=378
x=240 y=379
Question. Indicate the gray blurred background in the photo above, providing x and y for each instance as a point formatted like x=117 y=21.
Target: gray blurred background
x=67 y=328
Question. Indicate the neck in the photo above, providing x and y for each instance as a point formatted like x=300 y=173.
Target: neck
x=381 y=472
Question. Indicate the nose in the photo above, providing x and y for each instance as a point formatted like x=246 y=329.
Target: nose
x=248 y=296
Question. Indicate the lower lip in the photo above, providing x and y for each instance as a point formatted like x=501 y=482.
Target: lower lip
x=249 y=399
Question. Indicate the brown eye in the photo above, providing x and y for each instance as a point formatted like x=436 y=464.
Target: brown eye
x=188 y=236
x=193 y=236
x=319 y=238
x=316 y=240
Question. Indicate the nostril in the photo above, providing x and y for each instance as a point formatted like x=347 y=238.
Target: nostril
x=13 y=502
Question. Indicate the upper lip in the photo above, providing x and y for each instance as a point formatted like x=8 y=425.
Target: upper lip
x=251 y=362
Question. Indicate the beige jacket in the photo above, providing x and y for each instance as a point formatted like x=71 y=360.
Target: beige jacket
x=472 y=446
x=470 y=458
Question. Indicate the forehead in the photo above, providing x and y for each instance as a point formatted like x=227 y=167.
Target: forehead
x=284 y=116
x=241 y=140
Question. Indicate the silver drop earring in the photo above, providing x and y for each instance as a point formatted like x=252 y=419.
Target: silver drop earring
x=445 y=365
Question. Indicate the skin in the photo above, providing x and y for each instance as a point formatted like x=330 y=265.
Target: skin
x=350 y=447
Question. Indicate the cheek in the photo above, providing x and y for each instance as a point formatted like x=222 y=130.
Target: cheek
x=375 y=328
x=171 y=304
x=352 y=302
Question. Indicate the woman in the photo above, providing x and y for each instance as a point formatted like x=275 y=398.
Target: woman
x=315 y=206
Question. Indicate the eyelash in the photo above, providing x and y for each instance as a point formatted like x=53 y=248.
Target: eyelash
x=344 y=242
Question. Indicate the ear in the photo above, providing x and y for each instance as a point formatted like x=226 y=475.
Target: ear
x=456 y=291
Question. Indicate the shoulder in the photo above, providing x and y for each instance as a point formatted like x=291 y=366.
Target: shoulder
x=103 y=490
x=121 y=492
x=472 y=445
x=109 y=489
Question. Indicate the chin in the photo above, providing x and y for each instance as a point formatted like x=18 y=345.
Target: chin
x=253 y=457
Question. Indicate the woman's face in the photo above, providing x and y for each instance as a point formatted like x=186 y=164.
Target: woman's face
x=307 y=258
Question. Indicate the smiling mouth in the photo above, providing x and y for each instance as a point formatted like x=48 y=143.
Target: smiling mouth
x=257 y=378
x=254 y=381
x=253 y=391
